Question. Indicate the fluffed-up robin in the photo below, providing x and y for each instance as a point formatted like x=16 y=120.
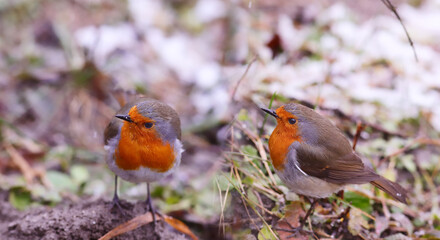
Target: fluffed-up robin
x=143 y=144
x=313 y=158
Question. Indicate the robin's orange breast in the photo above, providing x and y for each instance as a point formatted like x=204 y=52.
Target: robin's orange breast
x=279 y=143
x=282 y=137
x=147 y=150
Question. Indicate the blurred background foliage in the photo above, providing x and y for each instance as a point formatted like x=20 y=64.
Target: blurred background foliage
x=65 y=65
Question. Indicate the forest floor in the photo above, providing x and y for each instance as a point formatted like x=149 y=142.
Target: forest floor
x=70 y=64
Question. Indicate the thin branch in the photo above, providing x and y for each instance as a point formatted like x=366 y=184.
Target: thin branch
x=408 y=147
x=360 y=127
x=391 y=7
x=242 y=77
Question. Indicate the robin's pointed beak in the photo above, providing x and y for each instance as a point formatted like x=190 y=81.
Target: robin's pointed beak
x=271 y=112
x=124 y=117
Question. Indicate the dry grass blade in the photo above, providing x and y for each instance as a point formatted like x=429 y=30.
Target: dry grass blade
x=222 y=204
x=261 y=176
x=267 y=190
x=242 y=77
x=245 y=200
x=259 y=145
x=391 y=7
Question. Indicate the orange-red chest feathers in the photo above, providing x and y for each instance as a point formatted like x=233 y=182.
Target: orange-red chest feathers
x=282 y=137
x=139 y=146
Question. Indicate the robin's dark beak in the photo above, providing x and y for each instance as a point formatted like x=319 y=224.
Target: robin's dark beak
x=271 y=112
x=124 y=117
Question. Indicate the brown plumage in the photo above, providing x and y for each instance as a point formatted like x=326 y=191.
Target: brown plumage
x=315 y=159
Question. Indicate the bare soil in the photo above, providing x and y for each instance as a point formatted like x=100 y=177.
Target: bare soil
x=87 y=219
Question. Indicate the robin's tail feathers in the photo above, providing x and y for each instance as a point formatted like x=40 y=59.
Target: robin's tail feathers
x=392 y=188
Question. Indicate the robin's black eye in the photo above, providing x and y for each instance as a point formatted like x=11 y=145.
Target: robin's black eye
x=148 y=124
x=292 y=120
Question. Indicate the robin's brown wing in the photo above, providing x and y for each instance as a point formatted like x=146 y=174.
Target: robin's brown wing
x=111 y=130
x=335 y=168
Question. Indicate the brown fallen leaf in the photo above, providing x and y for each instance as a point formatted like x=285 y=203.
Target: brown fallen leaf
x=357 y=222
x=179 y=226
x=293 y=216
x=27 y=171
x=145 y=219
x=381 y=224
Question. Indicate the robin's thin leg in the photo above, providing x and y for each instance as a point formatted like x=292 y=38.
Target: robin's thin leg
x=312 y=207
x=115 y=201
x=295 y=230
x=150 y=205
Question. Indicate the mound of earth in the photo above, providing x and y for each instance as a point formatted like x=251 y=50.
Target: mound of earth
x=86 y=219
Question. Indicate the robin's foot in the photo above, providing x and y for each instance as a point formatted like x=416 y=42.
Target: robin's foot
x=153 y=214
x=116 y=203
x=151 y=209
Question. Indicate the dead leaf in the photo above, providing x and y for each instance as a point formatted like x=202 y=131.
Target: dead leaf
x=145 y=219
x=397 y=236
x=28 y=173
x=356 y=222
x=404 y=222
x=179 y=226
x=130 y=225
x=381 y=224
x=294 y=213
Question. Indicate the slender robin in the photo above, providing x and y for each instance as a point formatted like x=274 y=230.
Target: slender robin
x=313 y=158
x=143 y=144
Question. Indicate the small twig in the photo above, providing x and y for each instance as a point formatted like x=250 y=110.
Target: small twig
x=222 y=205
x=243 y=76
x=423 y=141
x=391 y=7
x=359 y=129
x=267 y=190
x=362 y=211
